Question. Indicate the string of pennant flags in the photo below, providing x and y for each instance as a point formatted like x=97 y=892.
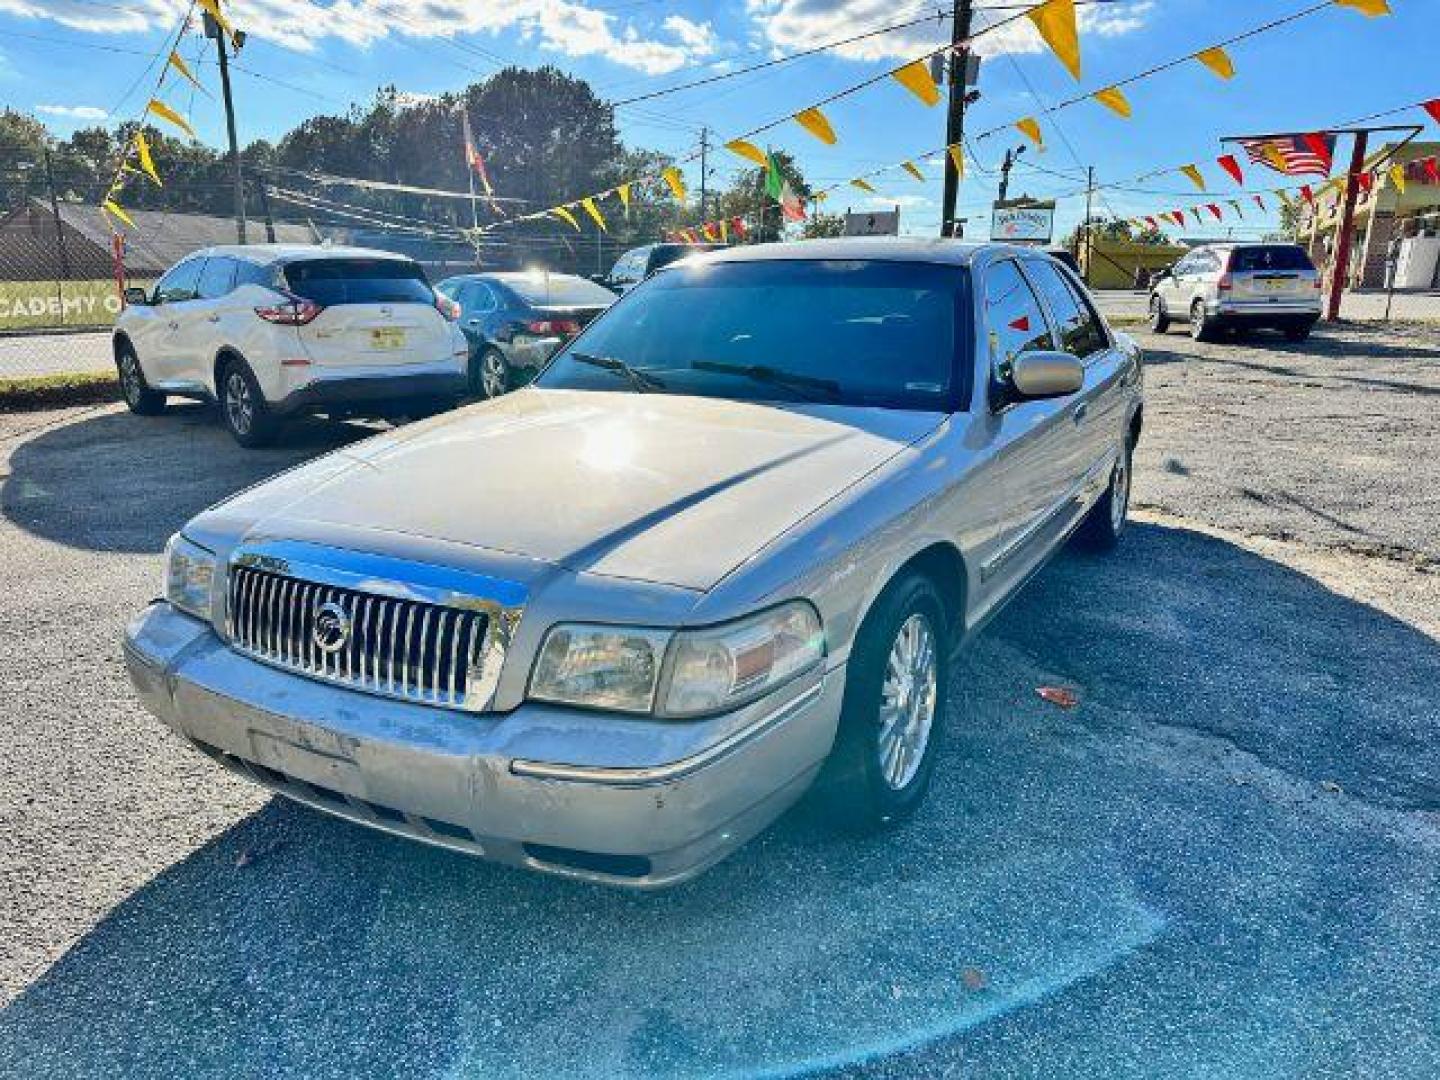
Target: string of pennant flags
x=135 y=157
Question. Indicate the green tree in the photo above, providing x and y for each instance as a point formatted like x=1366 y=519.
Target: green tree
x=747 y=197
x=819 y=226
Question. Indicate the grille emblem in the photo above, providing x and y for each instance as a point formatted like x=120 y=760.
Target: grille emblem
x=332 y=627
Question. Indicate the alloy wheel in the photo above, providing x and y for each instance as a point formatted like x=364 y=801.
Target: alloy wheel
x=130 y=379
x=1120 y=493
x=907 y=702
x=492 y=374
x=239 y=405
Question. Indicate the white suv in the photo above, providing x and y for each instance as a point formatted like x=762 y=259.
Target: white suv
x=273 y=330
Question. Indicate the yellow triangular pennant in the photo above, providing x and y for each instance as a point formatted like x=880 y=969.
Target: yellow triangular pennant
x=624 y=192
x=179 y=65
x=1218 y=61
x=1112 y=98
x=565 y=215
x=110 y=206
x=676 y=182
x=1030 y=128
x=957 y=155
x=863 y=185
x=588 y=203
x=1194 y=174
x=915 y=77
x=165 y=112
x=909 y=166
x=147 y=163
x=813 y=121
x=1397 y=177
x=212 y=7
x=1367 y=7
x=1055 y=19
x=748 y=150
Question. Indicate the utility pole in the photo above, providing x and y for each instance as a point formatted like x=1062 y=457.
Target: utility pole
x=1089 y=228
x=704 y=150
x=265 y=181
x=1011 y=157
x=213 y=30
x=59 y=233
x=955 y=114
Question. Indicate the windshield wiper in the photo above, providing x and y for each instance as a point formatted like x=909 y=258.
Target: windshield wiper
x=642 y=381
x=764 y=373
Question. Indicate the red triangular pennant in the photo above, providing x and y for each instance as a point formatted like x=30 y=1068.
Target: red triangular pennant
x=1367 y=181
x=1021 y=324
x=1433 y=108
x=1320 y=147
x=1432 y=169
x=1231 y=166
x=1307 y=193
x=1214 y=210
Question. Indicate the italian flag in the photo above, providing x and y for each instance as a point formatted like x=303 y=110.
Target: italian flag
x=792 y=207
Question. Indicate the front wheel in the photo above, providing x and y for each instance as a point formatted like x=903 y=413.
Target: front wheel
x=894 y=708
x=1101 y=529
x=1159 y=321
x=1201 y=328
x=242 y=406
x=141 y=400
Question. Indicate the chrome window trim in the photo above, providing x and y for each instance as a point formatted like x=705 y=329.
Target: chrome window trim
x=502 y=602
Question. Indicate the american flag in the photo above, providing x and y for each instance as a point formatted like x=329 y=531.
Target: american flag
x=1293 y=155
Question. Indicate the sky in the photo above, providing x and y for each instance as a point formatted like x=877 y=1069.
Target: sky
x=82 y=62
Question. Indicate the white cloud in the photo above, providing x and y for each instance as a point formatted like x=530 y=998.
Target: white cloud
x=789 y=25
x=73 y=112
x=567 y=27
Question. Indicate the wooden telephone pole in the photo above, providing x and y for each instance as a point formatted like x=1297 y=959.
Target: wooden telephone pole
x=955 y=113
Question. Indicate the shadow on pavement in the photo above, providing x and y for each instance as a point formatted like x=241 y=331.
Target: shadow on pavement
x=117 y=482
x=1153 y=883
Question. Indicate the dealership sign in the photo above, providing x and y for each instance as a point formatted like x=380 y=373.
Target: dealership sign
x=1025 y=222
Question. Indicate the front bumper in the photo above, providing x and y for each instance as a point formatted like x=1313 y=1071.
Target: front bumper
x=460 y=780
x=360 y=391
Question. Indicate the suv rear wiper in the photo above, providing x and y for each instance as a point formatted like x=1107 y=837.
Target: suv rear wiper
x=764 y=373
x=642 y=381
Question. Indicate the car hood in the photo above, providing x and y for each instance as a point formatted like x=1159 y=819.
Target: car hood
x=652 y=487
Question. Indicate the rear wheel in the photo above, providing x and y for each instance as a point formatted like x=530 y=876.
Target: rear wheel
x=894 y=708
x=242 y=406
x=1298 y=331
x=1159 y=321
x=1101 y=529
x=493 y=374
x=1201 y=328
x=137 y=393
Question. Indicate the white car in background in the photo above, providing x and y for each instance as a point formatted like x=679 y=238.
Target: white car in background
x=273 y=330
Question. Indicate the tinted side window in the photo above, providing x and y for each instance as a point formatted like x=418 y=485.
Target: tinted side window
x=179 y=284
x=249 y=273
x=217 y=279
x=1080 y=335
x=478 y=298
x=1014 y=322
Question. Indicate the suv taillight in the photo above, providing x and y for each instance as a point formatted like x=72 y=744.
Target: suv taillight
x=553 y=327
x=293 y=311
x=1226 y=283
x=447 y=307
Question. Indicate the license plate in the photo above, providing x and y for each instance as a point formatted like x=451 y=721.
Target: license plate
x=1273 y=285
x=388 y=337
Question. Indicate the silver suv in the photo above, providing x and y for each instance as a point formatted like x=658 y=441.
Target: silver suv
x=1238 y=286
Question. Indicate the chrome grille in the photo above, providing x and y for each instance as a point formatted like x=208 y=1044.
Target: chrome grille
x=401 y=648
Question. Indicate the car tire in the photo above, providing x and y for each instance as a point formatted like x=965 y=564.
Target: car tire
x=1298 y=332
x=1104 y=524
x=1201 y=327
x=243 y=410
x=1159 y=321
x=492 y=376
x=893 y=714
x=139 y=398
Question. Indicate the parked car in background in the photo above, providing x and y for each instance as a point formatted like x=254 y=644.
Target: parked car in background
x=612 y=625
x=514 y=322
x=271 y=330
x=639 y=263
x=1238 y=287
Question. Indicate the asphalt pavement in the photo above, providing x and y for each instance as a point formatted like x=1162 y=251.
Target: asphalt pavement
x=1225 y=861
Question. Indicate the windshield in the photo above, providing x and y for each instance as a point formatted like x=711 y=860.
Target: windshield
x=849 y=331
x=559 y=290
x=1276 y=257
x=329 y=282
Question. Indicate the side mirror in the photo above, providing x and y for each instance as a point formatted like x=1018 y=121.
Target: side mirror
x=136 y=295
x=1046 y=374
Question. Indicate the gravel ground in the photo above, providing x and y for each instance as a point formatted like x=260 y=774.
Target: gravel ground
x=1224 y=862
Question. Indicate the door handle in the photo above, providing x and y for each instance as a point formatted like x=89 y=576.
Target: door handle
x=1078 y=414
x=212 y=318
x=472 y=322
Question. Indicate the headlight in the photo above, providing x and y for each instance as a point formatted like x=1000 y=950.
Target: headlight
x=601 y=667
x=725 y=666
x=709 y=670
x=189 y=575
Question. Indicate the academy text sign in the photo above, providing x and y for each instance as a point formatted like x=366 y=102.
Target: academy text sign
x=28 y=305
x=1027 y=223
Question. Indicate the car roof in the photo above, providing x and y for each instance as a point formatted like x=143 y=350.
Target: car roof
x=288 y=253
x=885 y=248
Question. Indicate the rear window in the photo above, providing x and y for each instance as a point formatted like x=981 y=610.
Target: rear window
x=359 y=281
x=560 y=290
x=1274 y=257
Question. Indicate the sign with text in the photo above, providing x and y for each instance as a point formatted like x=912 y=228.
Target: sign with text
x=1023 y=222
x=873 y=223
